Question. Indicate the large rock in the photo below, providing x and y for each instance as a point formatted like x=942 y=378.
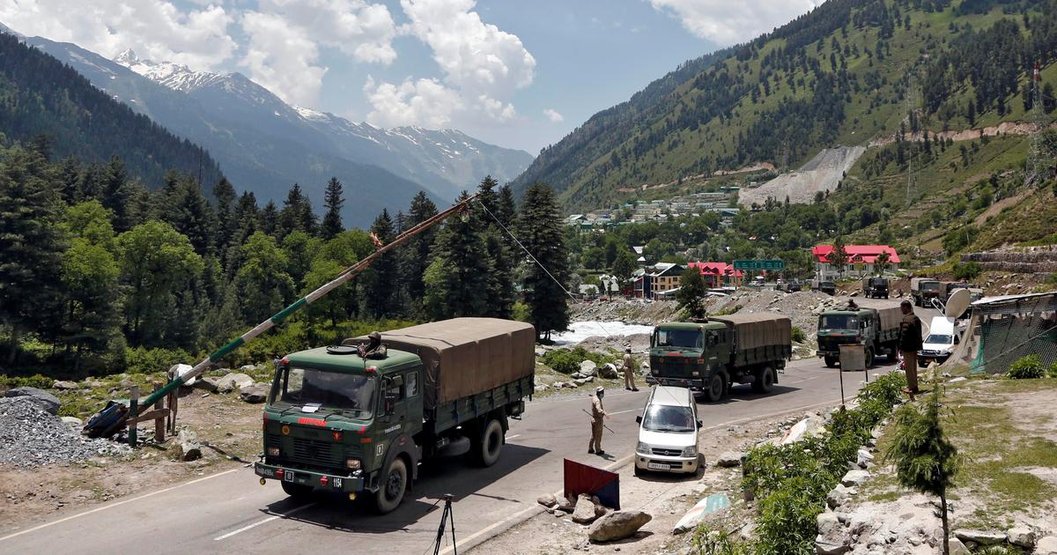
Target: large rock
x=1021 y=536
x=588 y=368
x=832 y=537
x=254 y=393
x=839 y=496
x=980 y=537
x=608 y=371
x=232 y=381
x=957 y=547
x=584 y=513
x=207 y=384
x=64 y=385
x=45 y=400
x=618 y=525
x=187 y=446
x=730 y=459
x=548 y=500
x=1046 y=545
x=864 y=458
x=855 y=477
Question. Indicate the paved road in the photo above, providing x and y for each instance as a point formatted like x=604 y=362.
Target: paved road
x=231 y=512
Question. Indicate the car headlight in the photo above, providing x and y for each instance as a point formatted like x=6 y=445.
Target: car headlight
x=352 y=464
x=642 y=448
x=690 y=451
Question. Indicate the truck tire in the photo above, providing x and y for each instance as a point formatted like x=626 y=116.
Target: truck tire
x=764 y=381
x=831 y=362
x=869 y=357
x=297 y=491
x=486 y=448
x=393 y=486
x=714 y=391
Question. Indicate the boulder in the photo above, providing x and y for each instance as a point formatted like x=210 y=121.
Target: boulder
x=618 y=525
x=839 y=496
x=254 y=393
x=209 y=385
x=1047 y=545
x=187 y=446
x=730 y=459
x=64 y=385
x=856 y=477
x=608 y=371
x=588 y=368
x=177 y=370
x=584 y=513
x=980 y=537
x=247 y=368
x=832 y=538
x=548 y=500
x=45 y=400
x=863 y=458
x=232 y=381
x=541 y=387
x=584 y=381
x=957 y=547
x=1021 y=536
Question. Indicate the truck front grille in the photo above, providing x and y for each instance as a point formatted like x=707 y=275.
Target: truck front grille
x=309 y=452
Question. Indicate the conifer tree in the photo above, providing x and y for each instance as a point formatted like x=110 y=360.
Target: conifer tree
x=333 y=201
x=460 y=269
x=415 y=254
x=380 y=280
x=226 y=222
x=540 y=230
x=269 y=220
x=499 y=291
x=296 y=214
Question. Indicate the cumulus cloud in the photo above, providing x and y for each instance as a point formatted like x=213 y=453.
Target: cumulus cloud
x=727 y=22
x=553 y=115
x=282 y=58
x=157 y=29
x=481 y=65
x=423 y=102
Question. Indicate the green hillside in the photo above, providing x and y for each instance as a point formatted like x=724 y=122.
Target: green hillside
x=839 y=75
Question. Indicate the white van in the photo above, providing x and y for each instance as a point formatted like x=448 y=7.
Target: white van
x=668 y=432
x=939 y=345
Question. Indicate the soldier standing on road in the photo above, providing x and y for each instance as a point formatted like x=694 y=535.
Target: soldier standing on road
x=597 y=415
x=909 y=344
x=629 y=371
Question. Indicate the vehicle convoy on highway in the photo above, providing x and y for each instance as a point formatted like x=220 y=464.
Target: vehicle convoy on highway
x=347 y=419
x=710 y=356
x=874 y=324
x=875 y=287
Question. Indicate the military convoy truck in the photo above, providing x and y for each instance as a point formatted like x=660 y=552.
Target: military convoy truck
x=874 y=324
x=875 y=287
x=709 y=356
x=349 y=421
x=923 y=290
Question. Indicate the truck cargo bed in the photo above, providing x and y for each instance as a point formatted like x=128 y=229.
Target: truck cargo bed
x=759 y=337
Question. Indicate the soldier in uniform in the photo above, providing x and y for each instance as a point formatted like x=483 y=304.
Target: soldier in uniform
x=629 y=371
x=909 y=344
x=598 y=414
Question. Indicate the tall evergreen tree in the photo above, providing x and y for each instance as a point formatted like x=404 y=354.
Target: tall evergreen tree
x=381 y=279
x=458 y=275
x=415 y=254
x=31 y=245
x=500 y=286
x=117 y=194
x=226 y=222
x=262 y=282
x=540 y=230
x=333 y=200
x=183 y=206
x=269 y=220
x=296 y=214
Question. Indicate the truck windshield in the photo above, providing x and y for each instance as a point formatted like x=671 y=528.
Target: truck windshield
x=838 y=322
x=931 y=286
x=667 y=418
x=687 y=339
x=937 y=339
x=333 y=390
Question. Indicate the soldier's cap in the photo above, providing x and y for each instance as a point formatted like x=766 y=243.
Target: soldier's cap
x=375 y=335
x=906 y=303
x=599 y=389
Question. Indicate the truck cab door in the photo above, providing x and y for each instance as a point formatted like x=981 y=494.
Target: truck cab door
x=394 y=399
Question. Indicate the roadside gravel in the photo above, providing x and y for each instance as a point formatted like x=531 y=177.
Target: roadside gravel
x=30 y=436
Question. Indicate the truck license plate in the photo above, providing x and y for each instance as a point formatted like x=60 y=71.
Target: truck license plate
x=658 y=466
x=288 y=476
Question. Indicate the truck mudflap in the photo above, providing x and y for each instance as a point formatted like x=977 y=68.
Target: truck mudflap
x=317 y=480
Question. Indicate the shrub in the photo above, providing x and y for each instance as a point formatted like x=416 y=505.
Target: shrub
x=567 y=361
x=141 y=360
x=36 y=380
x=798 y=335
x=1052 y=372
x=1026 y=368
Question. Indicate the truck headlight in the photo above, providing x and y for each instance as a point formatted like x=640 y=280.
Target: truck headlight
x=273 y=451
x=690 y=451
x=352 y=464
x=642 y=448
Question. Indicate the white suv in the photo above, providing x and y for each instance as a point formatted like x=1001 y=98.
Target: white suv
x=668 y=432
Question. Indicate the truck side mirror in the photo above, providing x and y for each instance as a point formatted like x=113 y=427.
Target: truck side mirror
x=956 y=339
x=700 y=423
x=638 y=419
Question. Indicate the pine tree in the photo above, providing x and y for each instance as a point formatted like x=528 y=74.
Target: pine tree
x=499 y=292
x=296 y=214
x=379 y=281
x=226 y=222
x=185 y=208
x=117 y=194
x=460 y=269
x=269 y=220
x=415 y=254
x=333 y=201
x=540 y=231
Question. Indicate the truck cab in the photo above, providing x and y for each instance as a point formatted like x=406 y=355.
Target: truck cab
x=923 y=290
x=875 y=287
x=842 y=327
x=686 y=354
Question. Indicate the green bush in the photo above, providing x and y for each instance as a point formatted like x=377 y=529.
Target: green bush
x=567 y=361
x=1052 y=372
x=1026 y=368
x=141 y=360
x=798 y=335
x=36 y=380
x=709 y=541
x=967 y=271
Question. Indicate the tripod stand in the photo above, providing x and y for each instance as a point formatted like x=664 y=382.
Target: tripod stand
x=446 y=516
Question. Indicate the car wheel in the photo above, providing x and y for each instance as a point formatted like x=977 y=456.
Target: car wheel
x=831 y=362
x=869 y=357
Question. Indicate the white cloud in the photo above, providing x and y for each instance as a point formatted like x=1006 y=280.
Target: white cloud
x=553 y=115
x=156 y=29
x=281 y=57
x=482 y=66
x=726 y=22
x=425 y=102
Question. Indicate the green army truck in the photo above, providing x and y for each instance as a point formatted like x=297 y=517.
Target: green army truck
x=709 y=356
x=872 y=323
x=356 y=423
x=923 y=290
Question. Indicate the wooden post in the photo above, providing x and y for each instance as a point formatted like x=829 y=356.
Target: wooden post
x=174 y=405
x=159 y=423
x=133 y=405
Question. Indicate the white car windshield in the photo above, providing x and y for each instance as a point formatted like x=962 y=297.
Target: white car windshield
x=939 y=339
x=666 y=418
x=334 y=390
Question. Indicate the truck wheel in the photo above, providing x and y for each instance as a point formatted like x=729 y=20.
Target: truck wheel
x=831 y=362
x=297 y=491
x=715 y=388
x=764 y=381
x=869 y=357
x=487 y=448
x=393 y=486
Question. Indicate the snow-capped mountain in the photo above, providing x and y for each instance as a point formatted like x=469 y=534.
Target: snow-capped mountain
x=265 y=145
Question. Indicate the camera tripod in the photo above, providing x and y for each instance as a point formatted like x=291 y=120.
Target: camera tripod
x=446 y=516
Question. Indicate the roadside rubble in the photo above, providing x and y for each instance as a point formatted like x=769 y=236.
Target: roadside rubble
x=31 y=436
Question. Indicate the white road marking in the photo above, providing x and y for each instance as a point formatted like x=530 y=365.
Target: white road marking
x=264 y=521
x=117 y=504
x=513 y=436
x=622 y=412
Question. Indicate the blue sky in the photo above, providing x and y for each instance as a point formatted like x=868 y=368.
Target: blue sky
x=519 y=74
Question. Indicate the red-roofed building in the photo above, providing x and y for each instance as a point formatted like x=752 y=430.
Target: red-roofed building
x=861 y=260
x=718 y=274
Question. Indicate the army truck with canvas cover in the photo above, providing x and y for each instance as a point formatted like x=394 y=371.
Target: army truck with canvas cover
x=710 y=356
x=923 y=290
x=874 y=324
x=358 y=423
